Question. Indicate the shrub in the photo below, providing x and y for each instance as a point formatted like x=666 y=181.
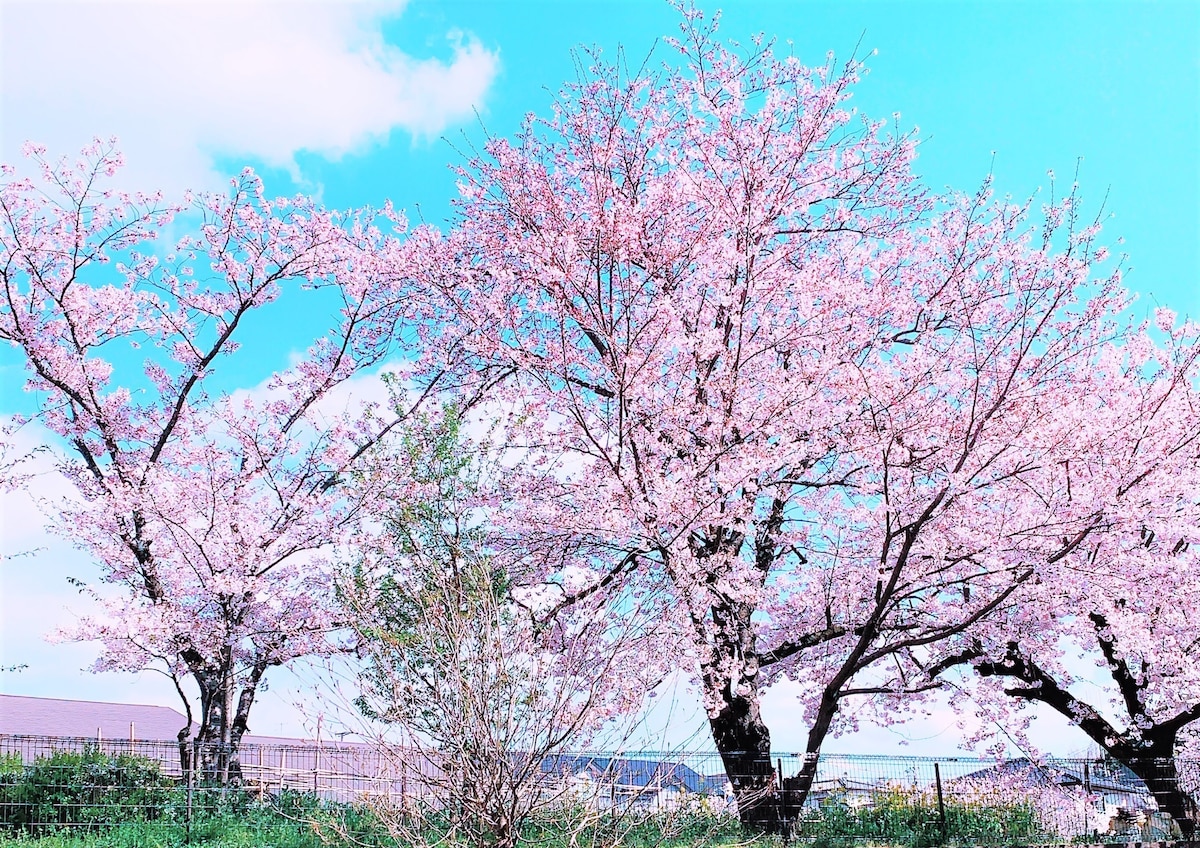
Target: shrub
x=80 y=788
x=913 y=819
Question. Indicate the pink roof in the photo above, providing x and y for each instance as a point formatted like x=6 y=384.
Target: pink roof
x=20 y=714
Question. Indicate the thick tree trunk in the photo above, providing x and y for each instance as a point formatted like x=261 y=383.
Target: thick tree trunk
x=744 y=743
x=219 y=739
x=738 y=730
x=1162 y=777
x=224 y=715
x=217 y=757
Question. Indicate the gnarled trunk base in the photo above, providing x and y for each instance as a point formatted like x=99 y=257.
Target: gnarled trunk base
x=744 y=743
x=1162 y=777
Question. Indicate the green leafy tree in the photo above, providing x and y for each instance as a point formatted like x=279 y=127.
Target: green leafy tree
x=458 y=671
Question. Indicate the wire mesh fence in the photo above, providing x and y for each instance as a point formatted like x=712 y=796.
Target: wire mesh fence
x=86 y=784
x=962 y=800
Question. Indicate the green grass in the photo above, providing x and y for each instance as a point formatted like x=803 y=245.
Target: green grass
x=293 y=821
x=94 y=800
x=912 y=820
x=163 y=835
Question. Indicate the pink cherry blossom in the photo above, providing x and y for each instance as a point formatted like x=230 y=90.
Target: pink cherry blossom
x=756 y=372
x=214 y=515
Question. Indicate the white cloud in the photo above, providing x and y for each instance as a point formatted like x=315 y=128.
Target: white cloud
x=182 y=81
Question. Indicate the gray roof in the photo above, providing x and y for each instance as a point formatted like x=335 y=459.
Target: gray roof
x=24 y=715
x=1102 y=776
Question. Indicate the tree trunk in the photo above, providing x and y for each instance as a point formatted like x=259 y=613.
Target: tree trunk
x=185 y=753
x=796 y=788
x=738 y=730
x=217 y=757
x=223 y=719
x=744 y=743
x=221 y=725
x=1162 y=777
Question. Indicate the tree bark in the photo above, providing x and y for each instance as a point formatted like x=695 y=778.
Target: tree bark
x=222 y=725
x=218 y=757
x=739 y=733
x=1162 y=777
x=744 y=743
x=796 y=788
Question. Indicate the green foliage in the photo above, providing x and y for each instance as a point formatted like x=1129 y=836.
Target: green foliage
x=905 y=818
x=296 y=820
x=93 y=800
x=221 y=818
x=404 y=599
x=677 y=829
x=225 y=819
x=80 y=788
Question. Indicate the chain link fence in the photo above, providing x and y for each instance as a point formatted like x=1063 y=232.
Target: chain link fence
x=51 y=784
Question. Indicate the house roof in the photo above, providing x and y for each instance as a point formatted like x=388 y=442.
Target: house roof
x=833 y=785
x=1103 y=775
x=629 y=772
x=24 y=715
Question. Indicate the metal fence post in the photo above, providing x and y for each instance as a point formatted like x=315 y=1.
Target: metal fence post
x=1087 y=799
x=781 y=811
x=191 y=783
x=937 y=779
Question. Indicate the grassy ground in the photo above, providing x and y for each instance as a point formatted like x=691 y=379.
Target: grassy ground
x=149 y=835
x=166 y=835
x=260 y=827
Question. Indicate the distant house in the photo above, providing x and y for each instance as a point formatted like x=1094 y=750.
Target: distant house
x=21 y=715
x=844 y=790
x=616 y=781
x=1107 y=782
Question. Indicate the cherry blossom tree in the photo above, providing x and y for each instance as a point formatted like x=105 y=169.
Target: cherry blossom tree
x=210 y=508
x=1126 y=599
x=749 y=359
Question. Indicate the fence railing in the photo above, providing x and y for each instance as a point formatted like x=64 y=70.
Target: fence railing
x=49 y=782
x=334 y=771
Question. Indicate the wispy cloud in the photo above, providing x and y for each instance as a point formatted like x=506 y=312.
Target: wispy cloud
x=181 y=82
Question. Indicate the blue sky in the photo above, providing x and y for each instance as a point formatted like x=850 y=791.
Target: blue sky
x=361 y=102
x=1040 y=84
